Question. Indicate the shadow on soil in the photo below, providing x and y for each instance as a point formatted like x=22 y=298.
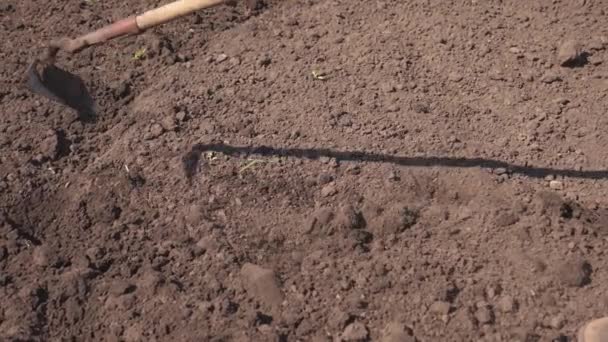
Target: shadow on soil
x=63 y=87
x=191 y=161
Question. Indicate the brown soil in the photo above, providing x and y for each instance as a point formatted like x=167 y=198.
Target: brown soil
x=442 y=178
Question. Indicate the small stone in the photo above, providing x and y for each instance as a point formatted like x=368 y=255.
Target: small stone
x=506 y=304
x=329 y=190
x=556 y=185
x=393 y=176
x=180 y=116
x=507 y=218
x=42 y=256
x=597 y=45
x=221 y=58
x=133 y=333
x=353 y=170
x=193 y=215
x=262 y=284
x=440 y=308
x=156 y=130
x=49 y=148
x=397 y=332
x=325 y=178
x=484 y=315
x=455 y=77
x=527 y=76
x=557 y=322
x=569 y=53
x=500 y=171
x=574 y=273
x=421 y=107
x=95 y=254
x=265 y=61
x=355 y=332
x=594 y=331
x=515 y=50
x=550 y=77
x=169 y=123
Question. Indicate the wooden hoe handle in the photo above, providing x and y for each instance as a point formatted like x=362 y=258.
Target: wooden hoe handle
x=172 y=11
x=134 y=24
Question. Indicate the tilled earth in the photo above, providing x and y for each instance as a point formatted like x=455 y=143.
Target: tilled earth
x=317 y=170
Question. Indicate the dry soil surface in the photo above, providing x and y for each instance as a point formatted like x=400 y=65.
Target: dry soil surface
x=314 y=170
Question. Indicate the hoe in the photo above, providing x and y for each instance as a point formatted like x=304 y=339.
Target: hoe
x=67 y=89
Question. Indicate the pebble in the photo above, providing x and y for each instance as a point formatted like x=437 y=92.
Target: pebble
x=455 y=77
x=169 y=123
x=557 y=322
x=42 y=256
x=265 y=60
x=397 y=332
x=329 y=190
x=500 y=171
x=515 y=50
x=325 y=178
x=353 y=170
x=393 y=176
x=193 y=214
x=262 y=284
x=505 y=219
x=594 y=331
x=550 y=77
x=133 y=333
x=484 y=315
x=569 y=53
x=49 y=147
x=95 y=254
x=156 y=130
x=556 y=185
x=180 y=116
x=506 y=304
x=355 y=332
x=221 y=58
x=440 y=308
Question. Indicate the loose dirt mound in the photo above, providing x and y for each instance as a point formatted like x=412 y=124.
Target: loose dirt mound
x=310 y=171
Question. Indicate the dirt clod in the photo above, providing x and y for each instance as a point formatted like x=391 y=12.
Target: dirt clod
x=440 y=308
x=506 y=304
x=484 y=315
x=262 y=284
x=397 y=332
x=569 y=53
x=574 y=273
x=349 y=217
x=355 y=332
